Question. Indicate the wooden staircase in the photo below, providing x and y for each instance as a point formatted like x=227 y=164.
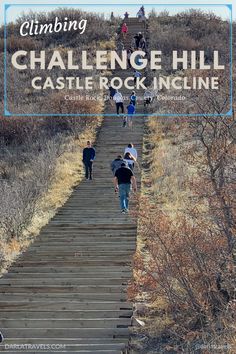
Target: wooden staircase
x=69 y=287
x=135 y=26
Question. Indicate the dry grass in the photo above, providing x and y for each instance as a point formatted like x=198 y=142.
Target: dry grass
x=166 y=179
x=68 y=174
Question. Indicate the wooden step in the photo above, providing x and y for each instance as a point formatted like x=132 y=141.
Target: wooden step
x=62 y=305
x=63 y=281
x=65 y=323
x=73 y=270
x=94 y=296
x=87 y=274
x=76 y=314
x=15 y=332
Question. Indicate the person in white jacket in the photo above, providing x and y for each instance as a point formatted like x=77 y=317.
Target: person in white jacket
x=118 y=98
x=130 y=148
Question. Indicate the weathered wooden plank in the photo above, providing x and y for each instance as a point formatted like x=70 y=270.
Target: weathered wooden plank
x=63 y=281
x=71 y=269
x=107 y=261
x=68 y=332
x=16 y=296
x=76 y=314
x=62 y=305
x=45 y=288
x=65 y=323
x=68 y=276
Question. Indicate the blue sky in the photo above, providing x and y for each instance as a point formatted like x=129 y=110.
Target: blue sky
x=15 y=10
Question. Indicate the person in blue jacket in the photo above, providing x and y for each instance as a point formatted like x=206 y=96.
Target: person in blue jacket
x=88 y=158
x=130 y=113
x=133 y=98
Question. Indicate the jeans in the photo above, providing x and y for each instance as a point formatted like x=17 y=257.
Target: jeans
x=118 y=106
x=88 y=169
x=124 y=190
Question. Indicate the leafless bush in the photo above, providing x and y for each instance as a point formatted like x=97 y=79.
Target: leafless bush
x=26 y=172
x=181 y=269
x=43 y=164
x=189 y=30
x=15 y=43
x=19 y=198
x=15 y=131
x=186 y=269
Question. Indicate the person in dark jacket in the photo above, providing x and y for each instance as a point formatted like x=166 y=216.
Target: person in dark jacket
x=88 y=158
x=112 y=92
x=123 y=180
x=129 y=52
x=117 y=164
x=137 y=39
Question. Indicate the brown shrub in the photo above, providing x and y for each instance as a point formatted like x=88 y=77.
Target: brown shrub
x=56 y=103
x=15 y=43
x=186 y=266
x=19 y=129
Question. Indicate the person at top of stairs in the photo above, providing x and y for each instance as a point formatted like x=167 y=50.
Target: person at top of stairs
x=141 y=14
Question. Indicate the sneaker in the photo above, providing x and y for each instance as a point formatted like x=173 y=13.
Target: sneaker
x=123 y=211
x=126 y=210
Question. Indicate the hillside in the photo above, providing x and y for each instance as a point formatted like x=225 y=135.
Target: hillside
x=40 y=159
x=182 y=233
x=184 y=281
